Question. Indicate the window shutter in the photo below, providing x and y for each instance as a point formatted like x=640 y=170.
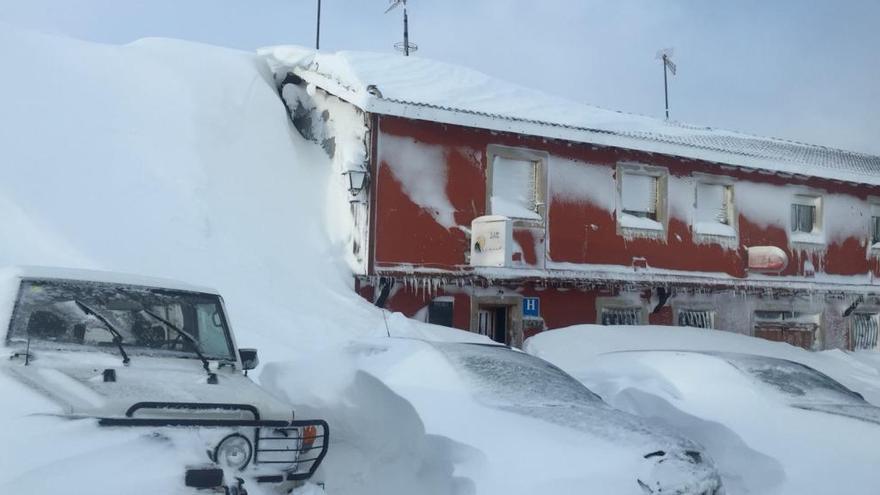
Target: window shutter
x=514 y=188
x=639 y=193
x=712 y=203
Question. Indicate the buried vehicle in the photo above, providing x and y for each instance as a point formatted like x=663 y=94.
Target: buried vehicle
x=157 y=355
x=609 y=449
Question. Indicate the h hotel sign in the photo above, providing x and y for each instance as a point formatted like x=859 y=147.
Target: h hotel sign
x=531 y=306
x=491 y=241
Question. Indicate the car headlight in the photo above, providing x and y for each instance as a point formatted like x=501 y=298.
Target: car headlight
x=234 y=452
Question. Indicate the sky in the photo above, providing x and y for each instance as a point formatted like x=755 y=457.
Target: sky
x=807 y=70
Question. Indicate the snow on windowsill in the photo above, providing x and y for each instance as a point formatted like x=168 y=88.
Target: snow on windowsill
x=807 y=237
x=501 y=206
x=633 y=222
x=714 y=229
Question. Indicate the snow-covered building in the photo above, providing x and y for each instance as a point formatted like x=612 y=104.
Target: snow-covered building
x=487 y=206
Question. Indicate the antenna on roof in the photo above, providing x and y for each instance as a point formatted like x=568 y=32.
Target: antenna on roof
x=405 y=46
x=666 y=56
x=318 y=28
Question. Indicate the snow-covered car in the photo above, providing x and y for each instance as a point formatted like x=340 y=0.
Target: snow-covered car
x=160 y=356
x=607 y=449
x=772 y=425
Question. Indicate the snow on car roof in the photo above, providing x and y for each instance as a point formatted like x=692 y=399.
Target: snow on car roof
x=419 y=88
x=59 y=273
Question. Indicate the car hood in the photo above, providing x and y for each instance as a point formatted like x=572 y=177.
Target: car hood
x=82 y=391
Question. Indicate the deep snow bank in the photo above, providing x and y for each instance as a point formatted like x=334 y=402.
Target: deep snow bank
x=174 y=159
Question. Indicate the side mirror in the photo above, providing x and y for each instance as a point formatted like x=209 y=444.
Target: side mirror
x=249 y=359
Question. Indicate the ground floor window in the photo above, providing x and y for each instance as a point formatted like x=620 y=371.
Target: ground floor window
x=696 y=318
x=863 y=331
x=440 y=312
x=621 y=316
x=791 y=327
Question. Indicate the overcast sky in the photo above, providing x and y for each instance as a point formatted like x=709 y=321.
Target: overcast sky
x=807 y=70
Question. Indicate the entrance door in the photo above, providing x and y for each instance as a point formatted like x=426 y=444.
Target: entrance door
x=492 y=322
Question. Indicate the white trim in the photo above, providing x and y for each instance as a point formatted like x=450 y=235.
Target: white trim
x=631 y=226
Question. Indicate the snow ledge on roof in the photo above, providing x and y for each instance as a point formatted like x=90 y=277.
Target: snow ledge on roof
x=424 y=89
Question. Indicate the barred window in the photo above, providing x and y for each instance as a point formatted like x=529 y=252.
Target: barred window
x=864 y=331
x=621 y=316
x=698 y=319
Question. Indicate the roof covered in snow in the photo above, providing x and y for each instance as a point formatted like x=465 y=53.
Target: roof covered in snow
x=425 y=89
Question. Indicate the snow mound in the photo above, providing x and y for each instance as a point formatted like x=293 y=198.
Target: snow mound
x=574 y=347
x=695 y=381
x=172 y=159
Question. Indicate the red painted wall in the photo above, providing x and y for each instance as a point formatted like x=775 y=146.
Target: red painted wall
x=404 y=233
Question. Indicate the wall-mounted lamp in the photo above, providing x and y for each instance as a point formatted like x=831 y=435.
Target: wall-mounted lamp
x=357 y=181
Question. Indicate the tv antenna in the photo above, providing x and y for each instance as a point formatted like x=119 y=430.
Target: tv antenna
x=668 y=65
x=403 y=46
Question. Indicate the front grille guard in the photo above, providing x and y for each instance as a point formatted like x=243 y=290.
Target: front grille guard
x=272 y=438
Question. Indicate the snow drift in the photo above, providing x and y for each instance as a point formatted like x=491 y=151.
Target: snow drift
x=761 y=443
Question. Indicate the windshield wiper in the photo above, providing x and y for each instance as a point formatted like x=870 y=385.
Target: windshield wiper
x=189 y=338
x=117 y=337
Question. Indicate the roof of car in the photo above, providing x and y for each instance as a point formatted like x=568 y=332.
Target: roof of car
x=60 y=273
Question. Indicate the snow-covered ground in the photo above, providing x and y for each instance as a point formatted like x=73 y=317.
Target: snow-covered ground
x=760 y=435
x=173 y=159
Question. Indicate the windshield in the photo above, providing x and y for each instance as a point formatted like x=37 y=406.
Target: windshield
x=55 y=314
x=800 y=383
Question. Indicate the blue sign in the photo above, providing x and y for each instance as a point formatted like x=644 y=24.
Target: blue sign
x=531 y=306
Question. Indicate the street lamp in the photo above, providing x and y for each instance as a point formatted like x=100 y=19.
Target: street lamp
x=357 y=180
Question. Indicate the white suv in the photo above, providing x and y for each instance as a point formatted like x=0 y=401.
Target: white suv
x=156 y=354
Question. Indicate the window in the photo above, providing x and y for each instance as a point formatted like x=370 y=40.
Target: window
x=440 y=312
x=875 y=226
x=864 y=331
x=805 y=214
x=803 y=218
x=621 y=316
x=714 y=210
x=875 y=231
x=516 y=183
x=694 y=318
x=642 y=202
x=639 y=195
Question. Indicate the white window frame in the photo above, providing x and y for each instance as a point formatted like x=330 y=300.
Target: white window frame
x=621 y=303
x=525 y=154
x=817 y=235
x=728 y=183
x=631 y=225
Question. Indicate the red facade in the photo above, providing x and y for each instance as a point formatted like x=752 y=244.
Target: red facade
x=560 y=259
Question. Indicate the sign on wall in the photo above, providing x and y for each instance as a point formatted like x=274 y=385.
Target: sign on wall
x=491 y=241
x=531 y=306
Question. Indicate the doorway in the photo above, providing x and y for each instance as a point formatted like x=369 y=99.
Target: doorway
x=492 y=321
x=498 y=317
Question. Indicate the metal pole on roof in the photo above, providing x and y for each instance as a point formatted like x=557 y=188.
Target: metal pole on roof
x=665 y=57
x=318 y=29
x=665 y=88
x=406 y=47
x=405 y=31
